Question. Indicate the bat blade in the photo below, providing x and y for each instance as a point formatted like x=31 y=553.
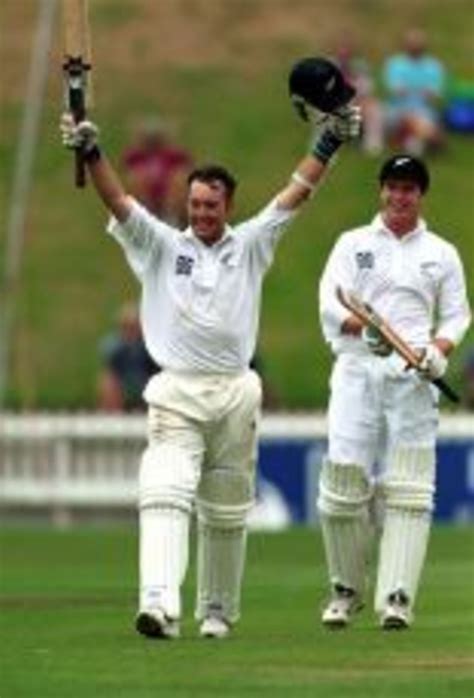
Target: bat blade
x=370 y=318
x=77 y=43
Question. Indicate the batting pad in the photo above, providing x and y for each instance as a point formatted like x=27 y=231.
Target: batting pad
x=225 y=498
x=409 y=489
x=167 y=485
x=344 y=493
x=168 y=477
x=164 y=534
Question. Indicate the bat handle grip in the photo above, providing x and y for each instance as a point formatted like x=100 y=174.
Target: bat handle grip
x=80 y=169
x=446 y=390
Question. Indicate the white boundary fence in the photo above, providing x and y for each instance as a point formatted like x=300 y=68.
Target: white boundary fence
x=61 y=462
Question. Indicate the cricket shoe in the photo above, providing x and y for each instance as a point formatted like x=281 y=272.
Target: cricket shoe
x=340 y=609
x=397 y=614
x=155 y=623
x=214 y=627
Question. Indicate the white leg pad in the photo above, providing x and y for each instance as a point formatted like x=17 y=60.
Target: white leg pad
x=409 y=491
x=167 y=485
x=344 y=493
x=225 y=498
x=163 y=558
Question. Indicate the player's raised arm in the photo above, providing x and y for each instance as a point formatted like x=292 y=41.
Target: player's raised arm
x=106 y=181
x=321 y=95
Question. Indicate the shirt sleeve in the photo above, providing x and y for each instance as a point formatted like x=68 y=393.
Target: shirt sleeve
x=454 y=315
x=393 y=73
x=107 y=349
x=142 y=237
x=435 y=80
x=263 y=232
x=337 y=272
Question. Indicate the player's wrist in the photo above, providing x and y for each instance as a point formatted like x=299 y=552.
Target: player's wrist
x=325 y=146
x=93 y=154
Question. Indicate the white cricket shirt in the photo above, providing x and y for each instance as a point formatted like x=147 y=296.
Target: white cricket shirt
x=200 y=305
x=415 y=282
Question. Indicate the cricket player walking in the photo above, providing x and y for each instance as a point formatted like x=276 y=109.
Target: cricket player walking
x=379 y=411
x=200 y=306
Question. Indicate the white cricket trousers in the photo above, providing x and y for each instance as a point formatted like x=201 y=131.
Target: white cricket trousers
x=202 y=448
x=378 y=413
x=375 y=408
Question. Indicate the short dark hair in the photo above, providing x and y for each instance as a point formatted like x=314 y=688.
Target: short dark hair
x=214 y=173
x=408 y=168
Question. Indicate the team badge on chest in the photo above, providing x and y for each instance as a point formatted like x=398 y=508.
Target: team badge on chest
x=365 y=260
x=184 y=265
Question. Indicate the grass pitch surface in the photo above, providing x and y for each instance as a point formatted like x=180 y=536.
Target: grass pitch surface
x=68 y=603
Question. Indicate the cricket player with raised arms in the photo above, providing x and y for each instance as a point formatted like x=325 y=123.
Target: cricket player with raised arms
x=380 y=412
x=200 y=307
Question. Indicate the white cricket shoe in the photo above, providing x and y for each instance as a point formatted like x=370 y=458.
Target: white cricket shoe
x=340 y=609
x=214 y=627
x=397 y=614
x=155 y=623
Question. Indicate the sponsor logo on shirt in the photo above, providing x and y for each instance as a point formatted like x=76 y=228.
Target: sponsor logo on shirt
x=429 y=268
x=184 y=265
x=365 y=260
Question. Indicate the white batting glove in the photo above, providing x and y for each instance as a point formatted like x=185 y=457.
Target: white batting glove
x=83 y=135
x=345 y=123
x=375 y=342
x=433 y=364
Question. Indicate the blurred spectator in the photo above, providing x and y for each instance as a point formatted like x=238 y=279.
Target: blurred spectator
x=358 y=73
x=415 y=84
x=156 y=171
x=468 y=380
x=127 y=365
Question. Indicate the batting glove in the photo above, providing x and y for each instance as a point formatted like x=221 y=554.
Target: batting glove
x=375 y=342
x=433 y=364
x=345 y=123
x=339 y=127
x=83 y=136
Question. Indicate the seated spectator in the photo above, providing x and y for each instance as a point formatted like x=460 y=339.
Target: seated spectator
x=127 y=365
x=357 y=73
x=156 y=171
x=415 y=84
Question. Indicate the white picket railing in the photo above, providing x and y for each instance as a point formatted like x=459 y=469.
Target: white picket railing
x=91 y=460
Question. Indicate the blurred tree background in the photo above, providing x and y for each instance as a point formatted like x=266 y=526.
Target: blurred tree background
x=216 y=69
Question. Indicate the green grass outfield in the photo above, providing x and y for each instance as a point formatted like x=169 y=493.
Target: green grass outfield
x=218 y=72
x=68 y=600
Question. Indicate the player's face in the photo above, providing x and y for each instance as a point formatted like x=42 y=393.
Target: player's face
x=401 y=204
x=208 y=208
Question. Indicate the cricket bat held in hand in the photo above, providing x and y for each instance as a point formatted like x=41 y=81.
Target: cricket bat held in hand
x=370 y=318
x=76 y=68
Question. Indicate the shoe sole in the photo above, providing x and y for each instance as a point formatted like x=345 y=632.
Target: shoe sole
x=149 y=626
x=214 y=636
x=395 y=624
x=335 y=624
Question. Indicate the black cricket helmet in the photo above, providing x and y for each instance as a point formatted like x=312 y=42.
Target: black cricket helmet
x=405 y=167
x=318 y=83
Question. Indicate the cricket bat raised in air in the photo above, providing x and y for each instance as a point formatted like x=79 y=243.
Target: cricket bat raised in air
x=76 y=69
x=370 y=318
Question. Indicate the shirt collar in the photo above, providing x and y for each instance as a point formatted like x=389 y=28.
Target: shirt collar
x=378 y=226
x=227 y=237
